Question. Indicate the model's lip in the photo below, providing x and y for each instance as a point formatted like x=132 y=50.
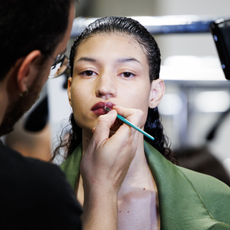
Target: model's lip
x=98 y=108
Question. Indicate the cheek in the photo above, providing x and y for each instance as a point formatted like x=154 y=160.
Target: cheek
x=77 y=99
x=137 y=97
x=80 y=98
x=77 y=95
x=77 y=106
x=77 y=90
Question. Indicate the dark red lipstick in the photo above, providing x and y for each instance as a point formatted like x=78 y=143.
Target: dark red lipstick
x=98 y=108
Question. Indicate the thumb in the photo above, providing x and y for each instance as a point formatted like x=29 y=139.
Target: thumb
x=102 y=129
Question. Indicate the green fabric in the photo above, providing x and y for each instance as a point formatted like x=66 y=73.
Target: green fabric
x=71 y=167
x=187 y=200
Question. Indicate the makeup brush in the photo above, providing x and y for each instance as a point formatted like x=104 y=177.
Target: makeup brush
x=130 y=124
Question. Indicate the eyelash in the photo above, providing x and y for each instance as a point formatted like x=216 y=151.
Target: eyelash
x=88 y=71
x=92 y=73
x=132 y=74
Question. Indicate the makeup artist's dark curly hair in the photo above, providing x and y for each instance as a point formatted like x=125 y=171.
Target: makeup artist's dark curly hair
x=131 y=27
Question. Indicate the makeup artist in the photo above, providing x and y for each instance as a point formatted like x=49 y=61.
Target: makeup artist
x=34 y=194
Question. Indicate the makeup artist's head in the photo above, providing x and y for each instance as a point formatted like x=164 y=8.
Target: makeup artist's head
x=33 y=33
x=114 y=61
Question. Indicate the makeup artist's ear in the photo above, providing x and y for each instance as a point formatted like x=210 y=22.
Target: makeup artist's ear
x=156 y=93
x=69 y=90
x=28 y=70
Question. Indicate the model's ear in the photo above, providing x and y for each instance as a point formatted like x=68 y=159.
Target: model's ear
x=28 y=70
x=156 y=93
x=69 y=90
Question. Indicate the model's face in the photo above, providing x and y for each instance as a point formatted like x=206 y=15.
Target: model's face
x=108 y=70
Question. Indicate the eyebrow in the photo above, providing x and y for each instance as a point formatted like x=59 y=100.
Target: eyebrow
x=124 y=60
x=120 y=60
x=86 y=59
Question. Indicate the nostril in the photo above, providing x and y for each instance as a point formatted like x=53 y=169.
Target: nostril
x=105 y=87
x=105 y=93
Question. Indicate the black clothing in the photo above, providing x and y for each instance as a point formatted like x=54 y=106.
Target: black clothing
x=35 y=195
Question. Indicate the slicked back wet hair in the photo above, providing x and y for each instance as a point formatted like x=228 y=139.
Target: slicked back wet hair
x=125 y=26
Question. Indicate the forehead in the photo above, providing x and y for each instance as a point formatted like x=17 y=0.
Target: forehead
x=111 y=44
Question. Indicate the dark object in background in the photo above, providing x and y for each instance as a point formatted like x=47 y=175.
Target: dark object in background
x=214 y=129
x=67 y=75
x=220 y=30
x=38 y=118
x=200 y=159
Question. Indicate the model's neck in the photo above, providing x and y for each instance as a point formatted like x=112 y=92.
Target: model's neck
x=138 y=191
x=137 y=175
x=138 y=168
x=86 y=137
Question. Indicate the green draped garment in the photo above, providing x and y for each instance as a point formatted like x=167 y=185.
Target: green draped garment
x=188 y=200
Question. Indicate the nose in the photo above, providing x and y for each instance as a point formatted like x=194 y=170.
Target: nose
x=106 y=87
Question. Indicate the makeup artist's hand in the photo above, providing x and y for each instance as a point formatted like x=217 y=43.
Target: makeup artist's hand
x=106 y=162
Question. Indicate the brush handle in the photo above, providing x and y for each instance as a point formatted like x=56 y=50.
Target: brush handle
x=132 y=125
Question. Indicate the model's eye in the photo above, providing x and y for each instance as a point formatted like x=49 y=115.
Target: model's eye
x=127 y=74
x=88 y=73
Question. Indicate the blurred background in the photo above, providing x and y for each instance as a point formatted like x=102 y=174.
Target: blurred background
x=195 y=108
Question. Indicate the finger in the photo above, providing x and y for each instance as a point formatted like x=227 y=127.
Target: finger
x=102 y=128
x=133 y=115
x=122 y=135
x=125 y=131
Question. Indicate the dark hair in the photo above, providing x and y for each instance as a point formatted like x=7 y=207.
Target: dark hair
x=26 y=25
x=131 y=27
